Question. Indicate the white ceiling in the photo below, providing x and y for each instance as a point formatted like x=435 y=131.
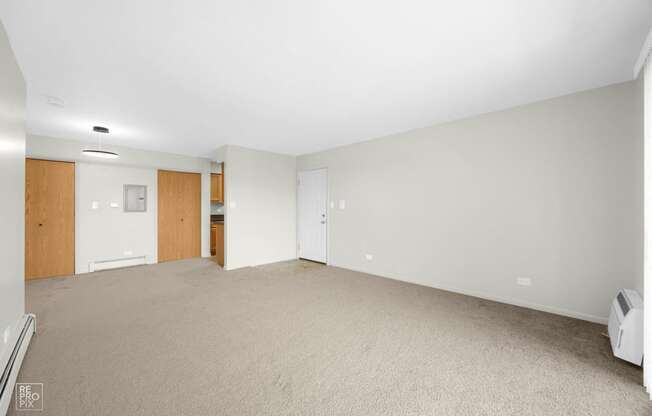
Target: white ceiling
x=297 y=76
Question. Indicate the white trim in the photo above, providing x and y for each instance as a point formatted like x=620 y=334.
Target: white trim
x=500 y=299
x=7 y=395
x=642 y=56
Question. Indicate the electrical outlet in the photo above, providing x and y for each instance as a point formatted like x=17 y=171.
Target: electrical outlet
x=524 y=281
x=369 y=257
x=129 y=253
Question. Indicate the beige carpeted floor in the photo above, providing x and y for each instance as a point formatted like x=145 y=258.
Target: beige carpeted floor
x=186 y=338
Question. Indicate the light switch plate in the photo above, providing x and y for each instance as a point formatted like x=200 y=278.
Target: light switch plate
x=114 y=205
x=524 y=281
x=342 y=204
x=95 y=205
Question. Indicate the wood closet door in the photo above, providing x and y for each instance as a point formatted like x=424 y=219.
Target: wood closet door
x=179 y=215
x=49 y=218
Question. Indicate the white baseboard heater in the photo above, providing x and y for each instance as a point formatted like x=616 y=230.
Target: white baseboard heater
x=96 y=266
x=10 y=371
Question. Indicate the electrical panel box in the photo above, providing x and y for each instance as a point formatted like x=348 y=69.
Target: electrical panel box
x=135 y=198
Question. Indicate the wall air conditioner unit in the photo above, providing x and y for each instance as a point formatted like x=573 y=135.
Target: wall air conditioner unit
x=626 y=326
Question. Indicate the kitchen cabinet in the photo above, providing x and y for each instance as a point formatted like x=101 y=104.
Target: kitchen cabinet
x=213 y=236
x=219 y=244
x=217 y=187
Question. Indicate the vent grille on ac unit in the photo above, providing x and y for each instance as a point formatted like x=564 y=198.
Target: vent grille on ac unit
x=624 y=305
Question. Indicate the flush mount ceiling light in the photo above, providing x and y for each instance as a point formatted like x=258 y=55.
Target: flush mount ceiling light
x=99 y=152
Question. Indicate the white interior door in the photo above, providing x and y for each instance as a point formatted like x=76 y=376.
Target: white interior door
x=312 y=210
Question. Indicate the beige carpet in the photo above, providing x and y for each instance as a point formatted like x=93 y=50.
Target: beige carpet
x=186 y=338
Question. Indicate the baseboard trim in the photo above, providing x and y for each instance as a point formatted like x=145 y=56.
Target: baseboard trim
x=494 y=298
x=10 y=372
x=260 y=264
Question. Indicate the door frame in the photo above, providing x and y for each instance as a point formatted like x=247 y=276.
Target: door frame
x=328 y=213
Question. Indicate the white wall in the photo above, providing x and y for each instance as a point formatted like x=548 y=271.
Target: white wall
x=12 y=189
x=639 y=96
x=551 y=191
x=69 y=150
x=108 y=233
x=260 y=210
x=647 y=123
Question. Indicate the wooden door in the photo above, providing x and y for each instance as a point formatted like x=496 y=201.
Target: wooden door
x=179 y=215
x=49 y=218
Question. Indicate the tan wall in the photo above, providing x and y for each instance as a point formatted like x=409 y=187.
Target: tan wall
x=551 y=191
x=261 y=227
